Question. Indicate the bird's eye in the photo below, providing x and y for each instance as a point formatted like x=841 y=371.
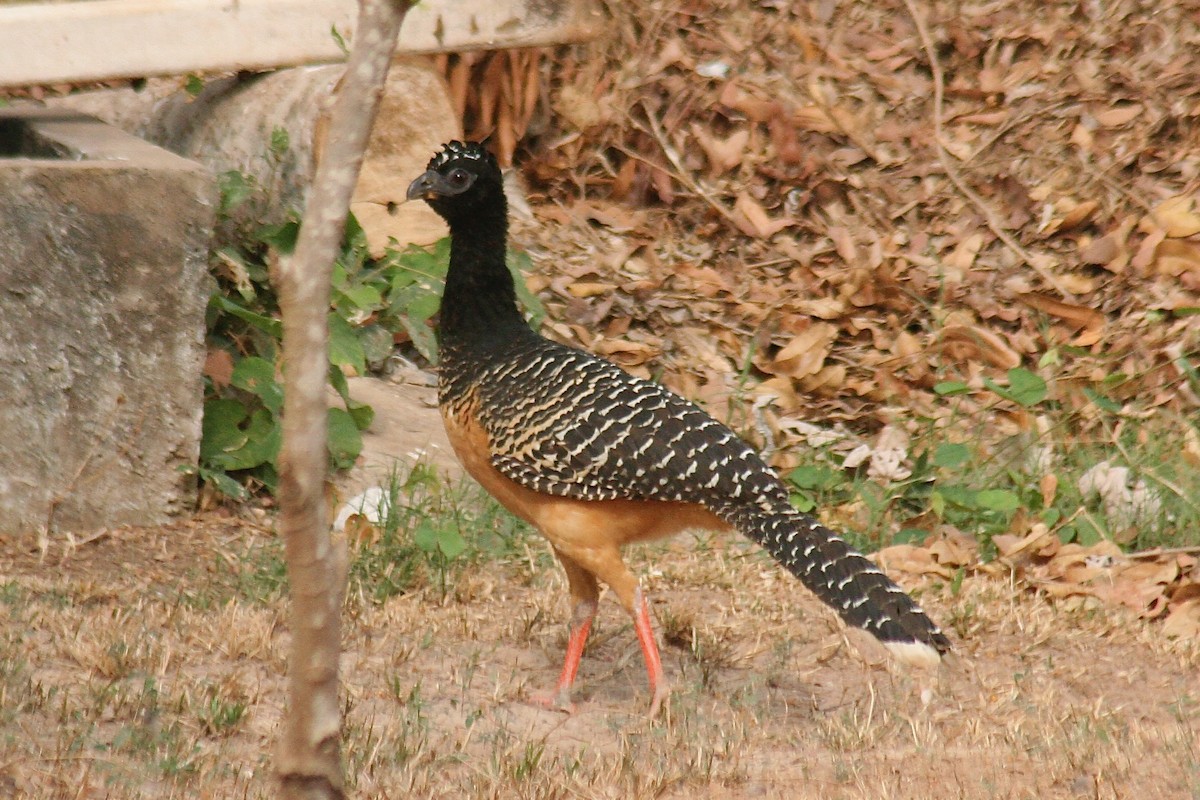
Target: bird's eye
x=458 y=177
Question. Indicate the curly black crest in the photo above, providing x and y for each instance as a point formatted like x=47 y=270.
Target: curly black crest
x=473 y=151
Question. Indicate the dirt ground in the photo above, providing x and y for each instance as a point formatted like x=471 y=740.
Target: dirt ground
x=123 y=656
x=788 y=175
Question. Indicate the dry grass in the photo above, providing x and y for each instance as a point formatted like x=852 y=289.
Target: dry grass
x=149 y=664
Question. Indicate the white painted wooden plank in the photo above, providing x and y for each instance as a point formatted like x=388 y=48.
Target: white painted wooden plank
x=44 y=43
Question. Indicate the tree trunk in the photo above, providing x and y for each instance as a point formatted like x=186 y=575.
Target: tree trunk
x=309 y=761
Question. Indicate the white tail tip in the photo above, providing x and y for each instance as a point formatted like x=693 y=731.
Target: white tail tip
x=916 y=654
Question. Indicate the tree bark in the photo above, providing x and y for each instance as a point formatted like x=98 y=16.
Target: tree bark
x=309 y=760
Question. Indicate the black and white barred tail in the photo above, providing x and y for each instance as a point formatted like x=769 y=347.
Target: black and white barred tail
x=845 y=580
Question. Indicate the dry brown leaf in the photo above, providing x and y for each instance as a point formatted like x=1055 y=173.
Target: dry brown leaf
x=912 y=559
x=1185 y=592
x=618 y=218
x=1077 y=316
x=671 y=54
x=704 y=281
x=1176 y=216
x=581 y=109
x=361 y=532
x=1107 y=251
x=959 y=149
x=990 y=118
x=786 y=140
x=964 y=254
x=1013 y=548
x=625 y=352
x=906 y=345
x=1146 y=599
x=926 y=521
x=1074 y=563
x=1119 y=115
x=1082 y=138
x=1176 y=257
x=1149 y=246
x=756 y=109
x=827 y=381
x=664 y=185
x=800 y=36
x=972 y=342
x=589 y=289
x=1061 y=589
x=1161 y=572
x=953 y=548
x=218 y=367
x=723 y=154
x=1048 y=486
x=805 y=354
x=783 y=390
x=814 y=118
x=1077 y=216
x=1191 y=447
x=753 y=220
x=1183 y=622
x=843 y=242
x=1077 y=283
x=1070 y=571
x=822 y=307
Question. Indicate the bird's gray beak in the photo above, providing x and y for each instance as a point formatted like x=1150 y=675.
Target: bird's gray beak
x=426 y=187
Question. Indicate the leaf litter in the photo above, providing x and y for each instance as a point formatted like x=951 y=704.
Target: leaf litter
x=835 y=207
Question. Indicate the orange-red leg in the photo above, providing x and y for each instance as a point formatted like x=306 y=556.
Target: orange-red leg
x=586 y=593
x=583 y=567
x=581 y=626
x=645 y=634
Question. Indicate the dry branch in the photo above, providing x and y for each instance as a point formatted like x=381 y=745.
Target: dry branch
x=993 y=221
x=309 y=761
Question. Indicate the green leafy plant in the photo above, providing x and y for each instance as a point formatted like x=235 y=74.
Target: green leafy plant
x=987 y=486
x=814 y=485
x=420 y=534
x=219 y=716
x=375 y=302
x=241 y=431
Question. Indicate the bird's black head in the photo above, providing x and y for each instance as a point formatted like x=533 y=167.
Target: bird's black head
x=461 y=182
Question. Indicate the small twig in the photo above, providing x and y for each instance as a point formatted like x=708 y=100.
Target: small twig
x=1130 y=195
x=855 y=138
x=681 y=173
x=993 y=222
x=70 y=546
x=1165 y=551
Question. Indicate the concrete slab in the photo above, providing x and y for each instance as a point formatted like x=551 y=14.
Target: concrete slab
x=103 y=250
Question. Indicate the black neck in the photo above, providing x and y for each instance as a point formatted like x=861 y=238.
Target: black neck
x=479 y=304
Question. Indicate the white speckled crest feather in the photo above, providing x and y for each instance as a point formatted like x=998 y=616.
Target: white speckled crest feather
x=456 y=149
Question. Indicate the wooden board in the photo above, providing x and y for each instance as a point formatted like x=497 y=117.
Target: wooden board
x=46 y=43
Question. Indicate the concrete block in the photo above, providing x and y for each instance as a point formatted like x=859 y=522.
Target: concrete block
x=103 y=286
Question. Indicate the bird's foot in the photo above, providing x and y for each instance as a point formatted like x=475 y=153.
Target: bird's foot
x=557 y=700
x=661 y=692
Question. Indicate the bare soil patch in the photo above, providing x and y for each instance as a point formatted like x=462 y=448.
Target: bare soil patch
x=120 y=655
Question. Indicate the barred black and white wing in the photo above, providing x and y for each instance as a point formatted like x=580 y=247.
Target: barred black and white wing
x=574 y=425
